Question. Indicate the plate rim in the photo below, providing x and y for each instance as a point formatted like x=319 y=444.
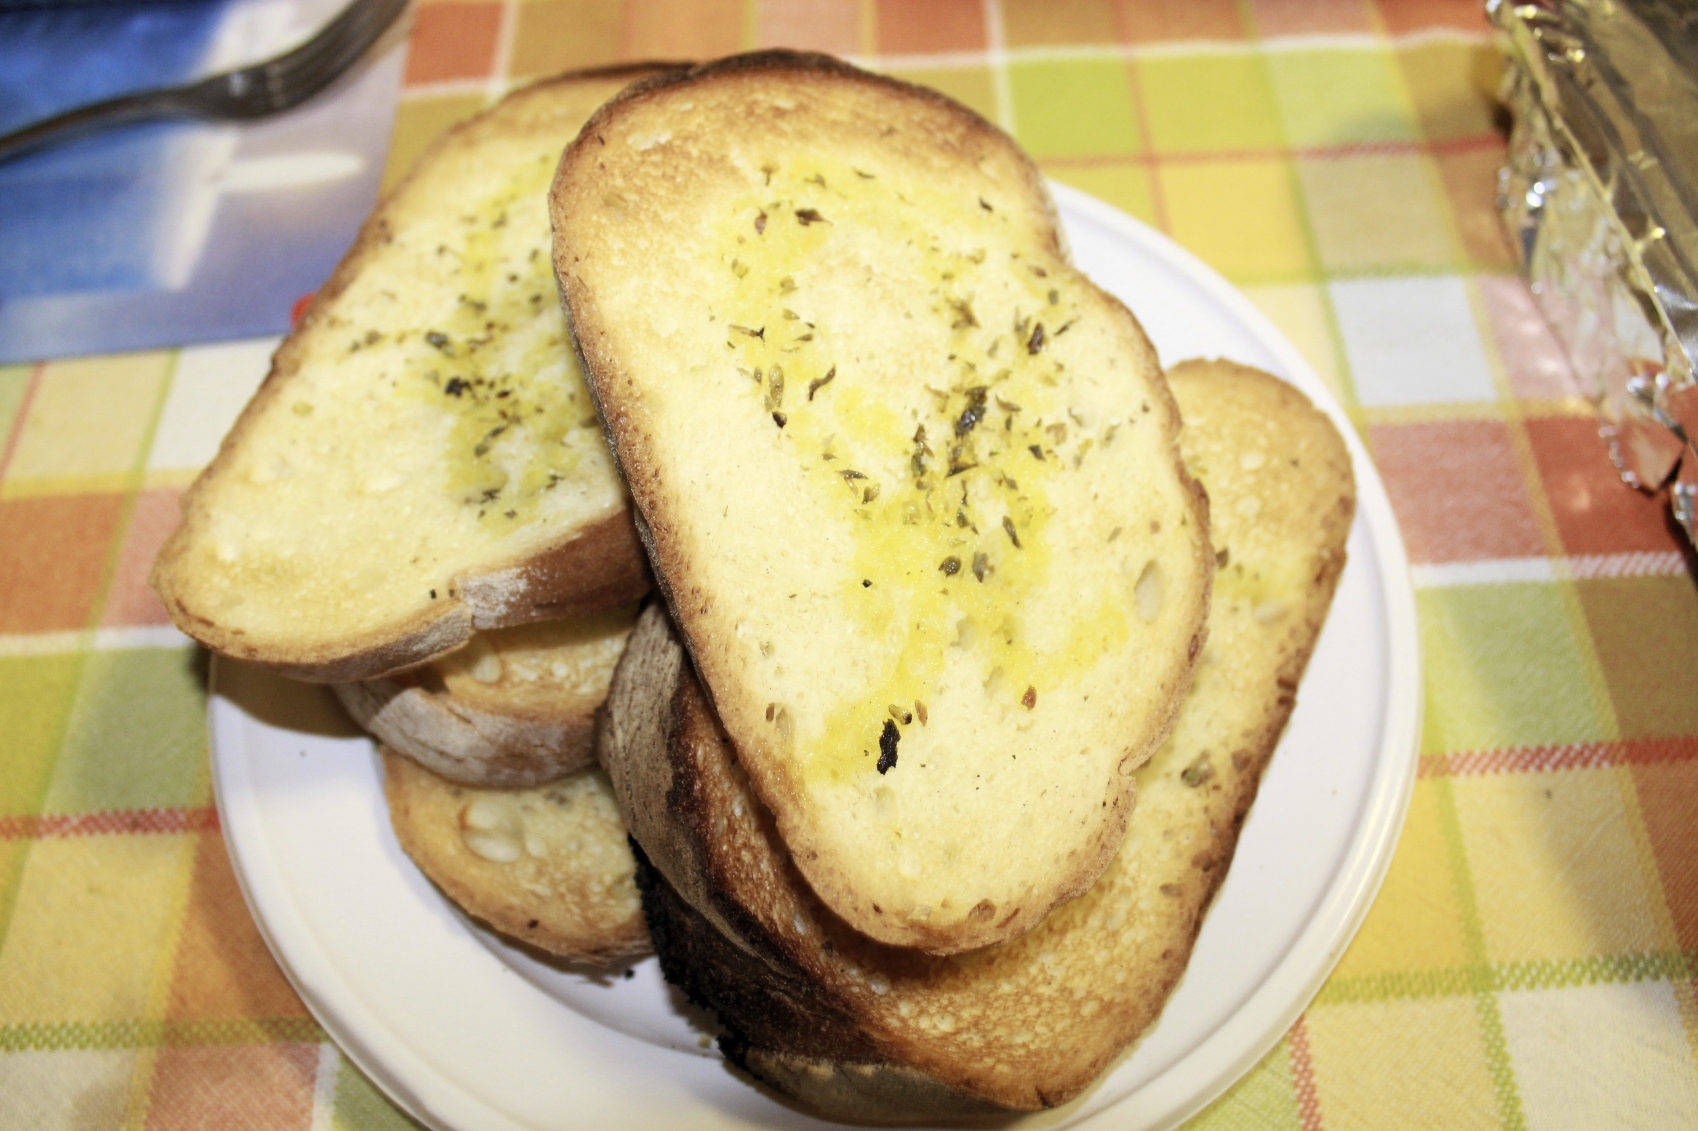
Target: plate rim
x=1173 y=1094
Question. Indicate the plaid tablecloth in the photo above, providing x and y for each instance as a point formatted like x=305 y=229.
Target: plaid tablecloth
x=1530 y=960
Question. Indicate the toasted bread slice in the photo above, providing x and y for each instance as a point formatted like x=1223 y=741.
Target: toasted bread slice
x=550 y=866
x=908 y=480
x=423 y=459
x=862 y=1031
x=513 y=708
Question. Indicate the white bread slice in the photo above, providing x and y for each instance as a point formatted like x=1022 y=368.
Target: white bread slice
x=908 y=480
x=423 y=459
x=513 y=708
x=865 y=1032
x=550 y=866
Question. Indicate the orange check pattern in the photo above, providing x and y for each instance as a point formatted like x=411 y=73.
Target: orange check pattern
x=1530 y=961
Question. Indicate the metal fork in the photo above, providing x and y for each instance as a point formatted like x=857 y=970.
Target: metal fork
x=245 y=93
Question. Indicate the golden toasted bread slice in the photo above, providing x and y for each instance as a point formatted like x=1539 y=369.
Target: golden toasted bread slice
x=549 y=866
x=909 y=481
x=513 y=708
x=863 y=1031
x=423 y=459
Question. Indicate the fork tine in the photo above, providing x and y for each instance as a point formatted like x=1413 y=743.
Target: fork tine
x=247 y=92
x=353 y=24
x=301 y=73
x=359 y=25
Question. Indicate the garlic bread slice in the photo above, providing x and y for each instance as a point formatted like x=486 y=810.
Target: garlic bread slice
x=423 y=459
x=908 y=480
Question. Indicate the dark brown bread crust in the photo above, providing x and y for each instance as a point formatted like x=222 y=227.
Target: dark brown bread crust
x=636 y=455
x=596 y=568
x=781 y=1031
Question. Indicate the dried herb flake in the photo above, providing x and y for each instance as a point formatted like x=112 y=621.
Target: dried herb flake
x=887 y=740
x=974 y=412
x=816 y=386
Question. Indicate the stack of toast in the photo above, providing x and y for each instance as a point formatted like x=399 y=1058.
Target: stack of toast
x=975 y=630
x=417 y=507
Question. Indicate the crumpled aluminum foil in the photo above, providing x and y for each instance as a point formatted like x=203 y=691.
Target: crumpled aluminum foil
x=1600 y=193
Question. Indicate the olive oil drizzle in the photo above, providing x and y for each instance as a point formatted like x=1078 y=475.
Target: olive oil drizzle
x=964 y=478
x=498 y=361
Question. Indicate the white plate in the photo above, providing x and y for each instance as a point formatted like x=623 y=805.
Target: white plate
x=466 y=1032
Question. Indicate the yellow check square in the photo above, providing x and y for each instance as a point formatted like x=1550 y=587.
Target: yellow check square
x=1074 y=108
x=1483 y=691
x=1209 y=104
x=1574 y=827
x=1416 y=921
x=1368 y=1078
x=563 y=35
x=86 y=423
x=1376 y=213
x=91 y=915
x=1125 y=184
x=1338 y=96
x=1243 y=217
x=35 y=697
x=970 y=86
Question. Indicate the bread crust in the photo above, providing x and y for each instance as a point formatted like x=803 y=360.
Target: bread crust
x=514 y=709
x=970 y=142
x=866 y=1032
x=596 y=566
x=467 y=744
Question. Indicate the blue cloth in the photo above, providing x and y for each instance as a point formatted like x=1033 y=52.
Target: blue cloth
x=74 y=216
x=133 y=236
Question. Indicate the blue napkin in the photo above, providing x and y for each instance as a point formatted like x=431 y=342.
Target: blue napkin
x=74 y=212
x=128 y=237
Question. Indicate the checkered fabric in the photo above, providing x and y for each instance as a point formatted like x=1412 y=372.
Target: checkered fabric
x=1530 y=960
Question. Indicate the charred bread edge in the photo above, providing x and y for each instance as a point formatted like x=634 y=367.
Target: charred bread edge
x=860 y=1087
